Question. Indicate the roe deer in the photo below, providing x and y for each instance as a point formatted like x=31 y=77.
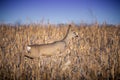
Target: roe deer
x=37 y=50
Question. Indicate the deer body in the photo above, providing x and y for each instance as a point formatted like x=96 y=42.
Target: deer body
x=46 y=49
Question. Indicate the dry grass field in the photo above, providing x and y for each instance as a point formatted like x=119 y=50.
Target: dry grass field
x=94 y=55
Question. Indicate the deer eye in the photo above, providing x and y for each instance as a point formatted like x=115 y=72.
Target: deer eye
x=74 y=32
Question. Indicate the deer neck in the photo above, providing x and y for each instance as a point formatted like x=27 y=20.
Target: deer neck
x=66 y=40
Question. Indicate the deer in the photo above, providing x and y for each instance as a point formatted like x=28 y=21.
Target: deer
x=50 y=49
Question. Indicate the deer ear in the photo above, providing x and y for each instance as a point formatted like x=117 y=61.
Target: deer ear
x=69 y=27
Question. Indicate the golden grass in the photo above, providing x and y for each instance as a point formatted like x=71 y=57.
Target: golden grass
x=94 y=55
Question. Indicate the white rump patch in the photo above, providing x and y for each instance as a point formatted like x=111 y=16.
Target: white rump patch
x=28 y=48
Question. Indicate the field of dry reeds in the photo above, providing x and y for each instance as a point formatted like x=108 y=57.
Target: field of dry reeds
x=94 y=55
